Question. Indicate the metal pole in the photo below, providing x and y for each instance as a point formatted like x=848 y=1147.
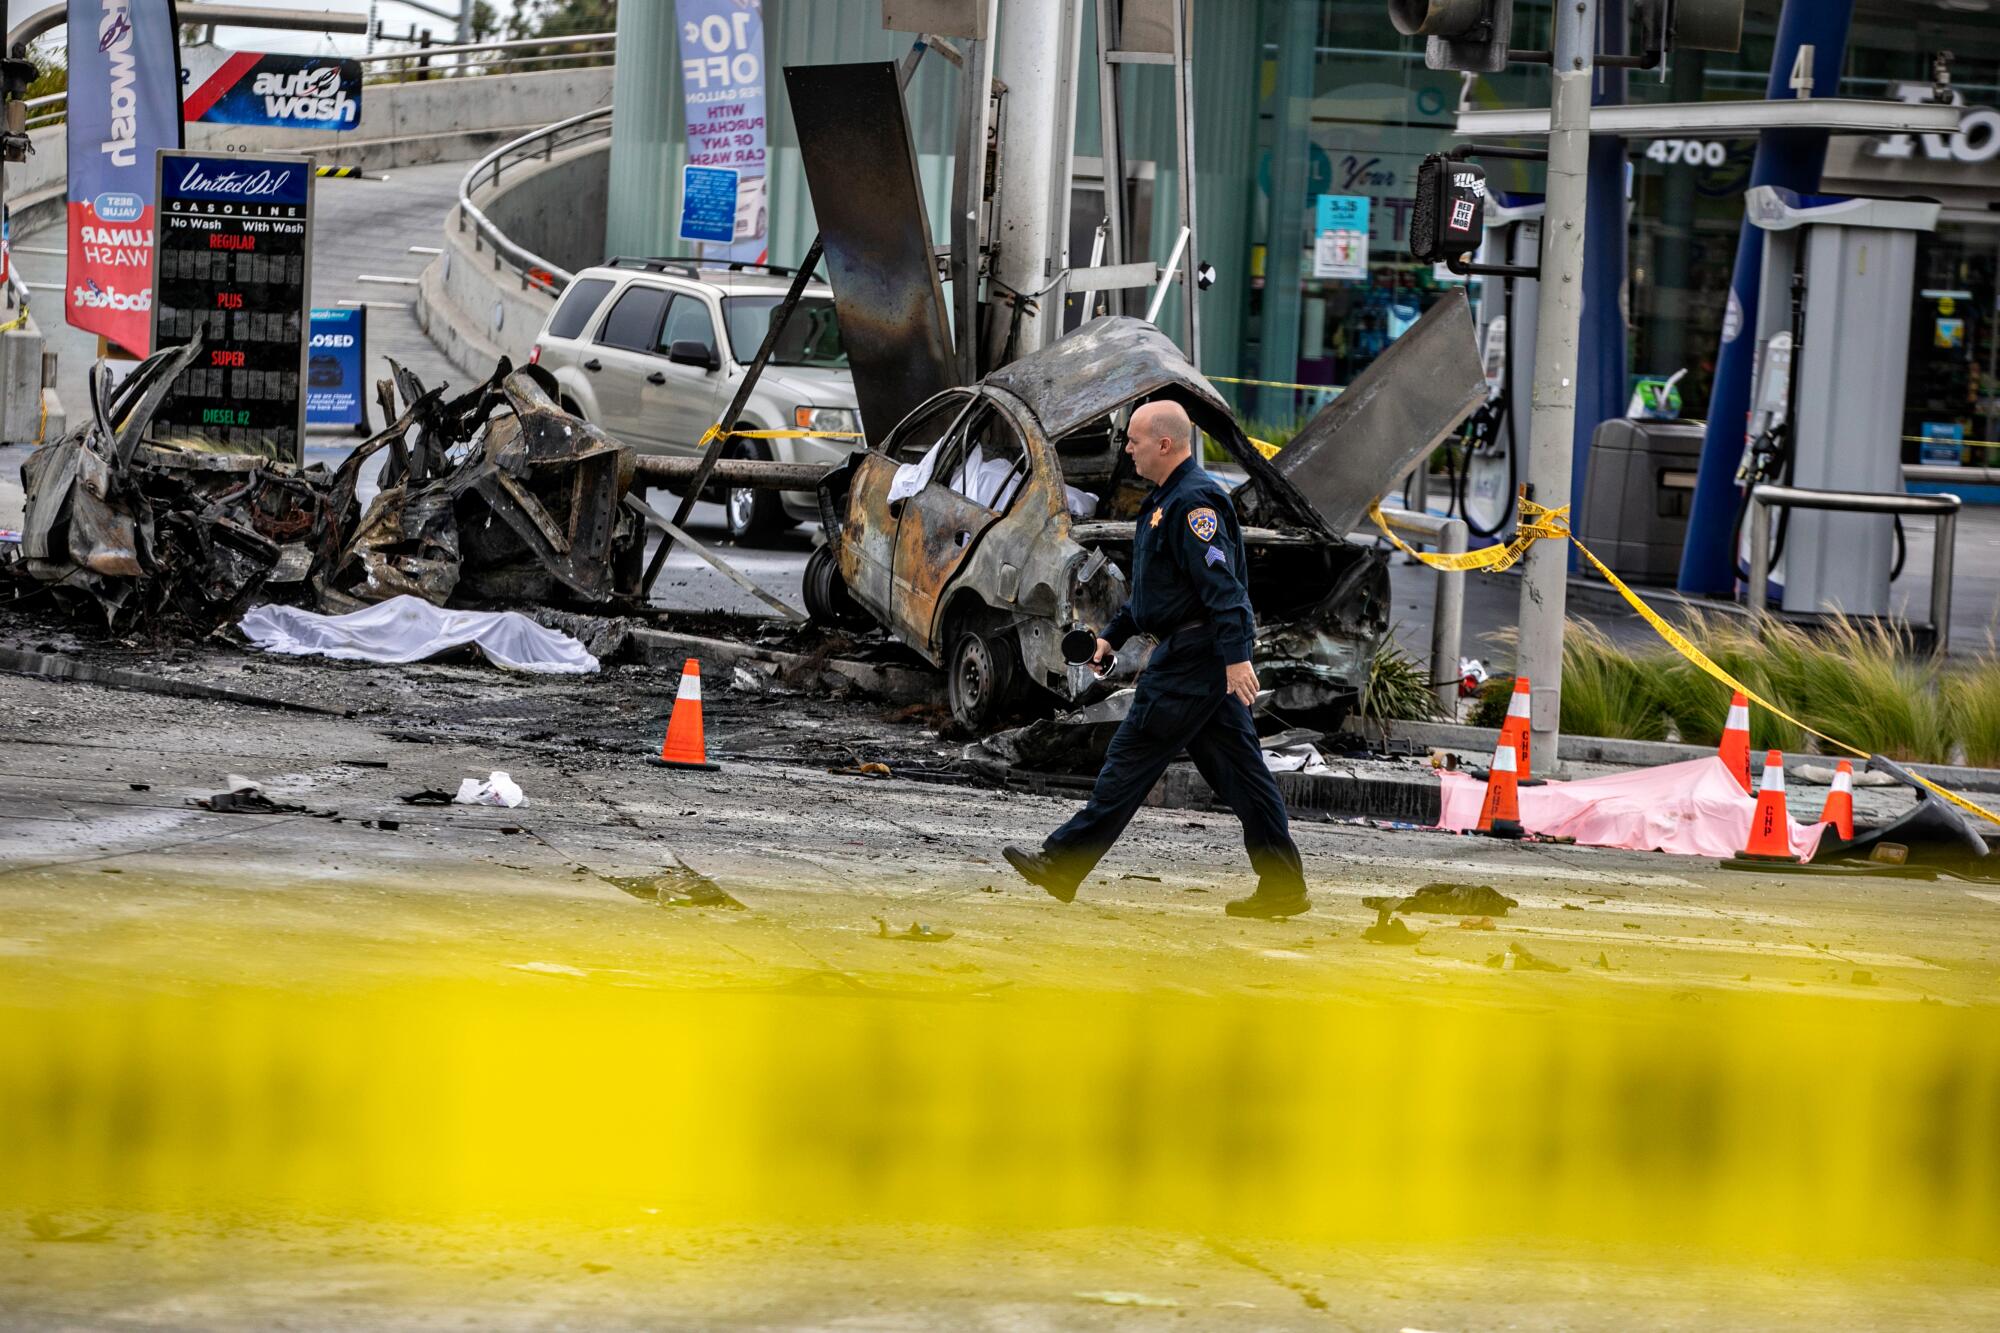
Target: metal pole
x=1184 y=129
x=968 y=191
x=1760 y=552
x=1038 y=48
x=1941 y=558
x=1448 y=617
x=1111 y=147
x=1544 y=585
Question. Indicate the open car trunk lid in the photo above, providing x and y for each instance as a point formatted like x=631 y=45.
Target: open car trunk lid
x=1395 y=412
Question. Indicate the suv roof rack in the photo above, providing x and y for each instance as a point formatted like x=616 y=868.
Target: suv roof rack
x=690 y=264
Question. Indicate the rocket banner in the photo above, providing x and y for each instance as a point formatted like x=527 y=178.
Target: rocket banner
x=258 y=88
x=124 y=106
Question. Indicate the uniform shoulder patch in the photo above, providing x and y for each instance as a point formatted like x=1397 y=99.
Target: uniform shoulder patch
x=1203 y=522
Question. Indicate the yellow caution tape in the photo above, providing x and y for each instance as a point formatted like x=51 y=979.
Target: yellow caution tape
x=17 y=321
x=1538 y=523
x=1264 y=447
x=1969 y=444
x=1281 y=384
x=714 y=431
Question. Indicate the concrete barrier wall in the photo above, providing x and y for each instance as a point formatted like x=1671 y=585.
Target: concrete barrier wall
x=402 y=124
x=474 y=312
x=554 y=208
x=477 y=311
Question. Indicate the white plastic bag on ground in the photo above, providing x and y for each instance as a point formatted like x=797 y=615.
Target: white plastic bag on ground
x=498 y=789
x=410 y=629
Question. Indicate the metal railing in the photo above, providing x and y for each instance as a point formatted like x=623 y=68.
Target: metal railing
x=1942 y=507
x=535 y=271
x=1448 y=613
x=416 y=64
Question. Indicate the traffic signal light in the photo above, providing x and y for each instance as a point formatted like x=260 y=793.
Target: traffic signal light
x=1463 y=34
x=1449 y=219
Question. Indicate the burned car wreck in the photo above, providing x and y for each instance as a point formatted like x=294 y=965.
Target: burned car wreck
x=997 y=517
x=494 y=495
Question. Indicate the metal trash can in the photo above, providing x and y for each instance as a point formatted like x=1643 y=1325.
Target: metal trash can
x=1634 y=514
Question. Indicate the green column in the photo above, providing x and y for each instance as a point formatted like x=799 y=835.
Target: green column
x=1285 y=234
x=648 y=137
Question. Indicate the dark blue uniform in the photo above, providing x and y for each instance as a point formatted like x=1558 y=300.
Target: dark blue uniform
x=1189 y=591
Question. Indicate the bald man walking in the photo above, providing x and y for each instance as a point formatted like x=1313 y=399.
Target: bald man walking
x=1190 y=592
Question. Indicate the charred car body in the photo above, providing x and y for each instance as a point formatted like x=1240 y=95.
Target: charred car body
x=996 y=517
x=985 y=520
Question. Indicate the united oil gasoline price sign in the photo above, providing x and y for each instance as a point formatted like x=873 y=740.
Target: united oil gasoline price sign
x=232 y=262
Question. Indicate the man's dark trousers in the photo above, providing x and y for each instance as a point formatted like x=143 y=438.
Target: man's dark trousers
x=1180 y=704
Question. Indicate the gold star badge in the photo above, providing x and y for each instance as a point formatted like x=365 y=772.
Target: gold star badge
x=1158 y=514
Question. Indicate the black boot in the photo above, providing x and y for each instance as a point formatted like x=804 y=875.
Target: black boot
x=1270 y=906
x=1038 y=868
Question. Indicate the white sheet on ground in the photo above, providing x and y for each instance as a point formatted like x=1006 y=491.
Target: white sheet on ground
x=1694 y=808
x=410 y=629
x=1296 y=759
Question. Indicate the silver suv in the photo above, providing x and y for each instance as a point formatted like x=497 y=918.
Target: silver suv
x=651 y=350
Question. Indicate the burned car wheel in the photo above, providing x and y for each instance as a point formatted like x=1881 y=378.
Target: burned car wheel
x=827 y=599
x=979 y=679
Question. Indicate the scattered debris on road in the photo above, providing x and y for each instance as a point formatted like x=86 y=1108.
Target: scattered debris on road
x=680 y=885
x=497 y=789
x=918 y=932
x=244 y=796
x=1390 y=930
x=1444 y=899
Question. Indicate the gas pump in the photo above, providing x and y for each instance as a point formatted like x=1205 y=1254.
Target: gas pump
x=1496 y=436
x=1832 y=352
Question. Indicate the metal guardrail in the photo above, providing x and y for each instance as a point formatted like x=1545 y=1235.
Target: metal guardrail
x=536 y=272
x=1448 y=613
x=1968 y=474
x=415 y=64
x=1943 y=507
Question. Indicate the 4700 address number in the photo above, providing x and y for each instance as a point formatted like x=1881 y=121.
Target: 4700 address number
x=1688 y=152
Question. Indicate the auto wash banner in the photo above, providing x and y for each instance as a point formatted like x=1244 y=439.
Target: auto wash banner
x=258 y=88
x=124 y=106
x=723 y=194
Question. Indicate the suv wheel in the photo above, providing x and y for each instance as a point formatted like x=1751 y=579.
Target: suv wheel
x=754 y=515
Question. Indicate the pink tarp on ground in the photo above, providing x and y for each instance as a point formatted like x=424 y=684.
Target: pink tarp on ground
x=1691 y=809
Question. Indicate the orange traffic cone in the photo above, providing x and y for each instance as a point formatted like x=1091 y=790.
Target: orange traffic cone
x=1500 y=812
x=1515 y=728
x=1735 y=748
x=1770 y=829
x=1839 y=810
x=684 y=746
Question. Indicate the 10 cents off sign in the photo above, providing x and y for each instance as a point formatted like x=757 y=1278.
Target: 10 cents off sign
x=232 y=265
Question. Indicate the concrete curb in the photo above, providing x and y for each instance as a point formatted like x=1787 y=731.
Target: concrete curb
x=1415 y=798
x=896 y=684
x=1478 y=742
